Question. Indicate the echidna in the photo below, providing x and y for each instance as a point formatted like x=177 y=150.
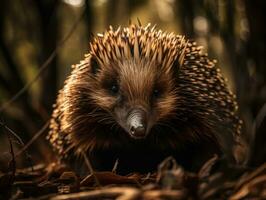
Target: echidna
x=140 y=95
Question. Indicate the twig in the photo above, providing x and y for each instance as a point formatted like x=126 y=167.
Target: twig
x=259 y=118
x=260 y=171
x=206 y=168
x=12 y=132
x=122 y=193
x=252 y=137
x=35 y=137
x=246 y=189
x=164 y=194
x=115 y=166
x=43 y=66
x=12 y=163
x=17 y=138
x=88 y=163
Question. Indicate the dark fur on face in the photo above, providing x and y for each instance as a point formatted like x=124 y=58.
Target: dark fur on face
x=135 y=84
x=140 y=90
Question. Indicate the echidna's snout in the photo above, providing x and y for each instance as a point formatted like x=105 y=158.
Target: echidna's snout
x=137 y=123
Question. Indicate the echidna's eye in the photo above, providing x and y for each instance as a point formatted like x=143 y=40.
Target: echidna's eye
x=114 y=89
x=156 y=93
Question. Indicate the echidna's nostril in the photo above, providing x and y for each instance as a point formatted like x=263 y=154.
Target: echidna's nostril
x=138 y=131
x=132 y=129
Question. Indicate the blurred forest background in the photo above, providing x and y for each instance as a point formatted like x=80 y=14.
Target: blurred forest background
x=51 y=35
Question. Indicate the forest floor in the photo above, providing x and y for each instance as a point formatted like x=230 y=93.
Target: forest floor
x=215 y=180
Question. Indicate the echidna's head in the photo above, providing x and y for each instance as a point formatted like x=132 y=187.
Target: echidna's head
x=136 y=93
x=134 y=72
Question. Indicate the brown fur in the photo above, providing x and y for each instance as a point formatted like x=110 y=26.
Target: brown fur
x=193 y=118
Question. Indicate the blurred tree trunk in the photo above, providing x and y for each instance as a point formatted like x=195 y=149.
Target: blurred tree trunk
x=256 y=49
x=89 y=18
x=256 y=57
x=186 y=12
x=48 y=24
x=117 y=13
x=237 y=58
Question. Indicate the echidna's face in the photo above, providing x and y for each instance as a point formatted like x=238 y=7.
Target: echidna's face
x=137 y=94
x=133 y=76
